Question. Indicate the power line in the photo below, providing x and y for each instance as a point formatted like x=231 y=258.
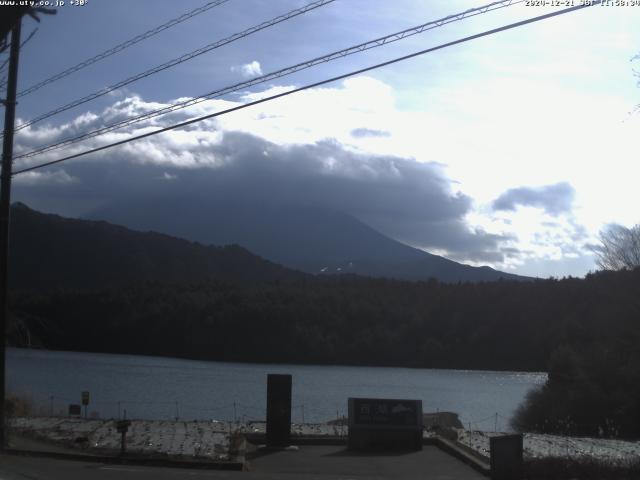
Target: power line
x=316 y=84
x=378 y=42
x=3 y=82
x=179 y=60
x=122 y=46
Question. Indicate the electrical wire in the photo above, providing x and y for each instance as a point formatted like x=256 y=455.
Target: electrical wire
x=314 y=85
x=122 y=46
x=176 y=61
x=3 y=82
x=378 y=42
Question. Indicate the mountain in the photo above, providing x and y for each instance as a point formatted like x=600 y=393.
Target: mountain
x=310 y=239
x=51 y=251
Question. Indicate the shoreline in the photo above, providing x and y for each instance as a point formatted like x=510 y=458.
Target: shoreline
x=275 y=364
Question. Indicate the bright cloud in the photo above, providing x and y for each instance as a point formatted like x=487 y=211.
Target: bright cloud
x=248 y=70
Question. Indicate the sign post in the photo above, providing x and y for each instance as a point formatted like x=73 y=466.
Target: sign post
x=85 y=402
x=122 y=426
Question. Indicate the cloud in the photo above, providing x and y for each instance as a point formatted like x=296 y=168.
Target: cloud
x=248 y=70
x=406 y=199
x=543 y=240
x=34 y=179
x=275 y=154
x=553 y=199
x=168 y=176
x=369 y=132
x=402 y=197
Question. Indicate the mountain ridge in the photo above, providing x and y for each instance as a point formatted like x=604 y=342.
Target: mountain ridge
x=309 y=239
x=48 y=250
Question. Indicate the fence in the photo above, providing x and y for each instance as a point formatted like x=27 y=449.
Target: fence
x=236 y=411
x=496 y=422
x=239 y=412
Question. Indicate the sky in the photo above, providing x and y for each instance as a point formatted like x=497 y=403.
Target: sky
x=512 y=150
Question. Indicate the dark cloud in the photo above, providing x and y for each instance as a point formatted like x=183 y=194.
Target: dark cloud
x=511 y=251
x=554 y=199
x=403 y=198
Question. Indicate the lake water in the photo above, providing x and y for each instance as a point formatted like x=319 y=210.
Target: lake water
x=163 y=388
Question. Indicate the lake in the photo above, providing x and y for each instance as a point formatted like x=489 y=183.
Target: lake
x=164 y=388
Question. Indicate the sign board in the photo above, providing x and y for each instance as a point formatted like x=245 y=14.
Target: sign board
x=385 y=423
x=382 y=411
x=75 y=409
x=278 y=410
x=122 y=426
x=85 y=398
x=506 y=457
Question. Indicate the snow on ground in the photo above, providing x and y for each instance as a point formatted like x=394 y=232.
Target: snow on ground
x=204 y=439
x=210 y=439
x=197 y=439
x=297 y=429
x=540 y=446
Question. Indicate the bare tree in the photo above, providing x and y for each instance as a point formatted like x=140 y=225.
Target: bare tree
x=619 y=248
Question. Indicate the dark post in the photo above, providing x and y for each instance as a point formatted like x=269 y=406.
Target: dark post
x=85 y=402
x=123 y=441
x=5 y=204
x=122 y=426
x=506 y=457
x=278 y=410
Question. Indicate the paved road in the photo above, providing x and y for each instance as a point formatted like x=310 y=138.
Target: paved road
x=335 y=462
x=308 y=463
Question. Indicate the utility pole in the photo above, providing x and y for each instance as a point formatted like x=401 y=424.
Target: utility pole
x=5 y=206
